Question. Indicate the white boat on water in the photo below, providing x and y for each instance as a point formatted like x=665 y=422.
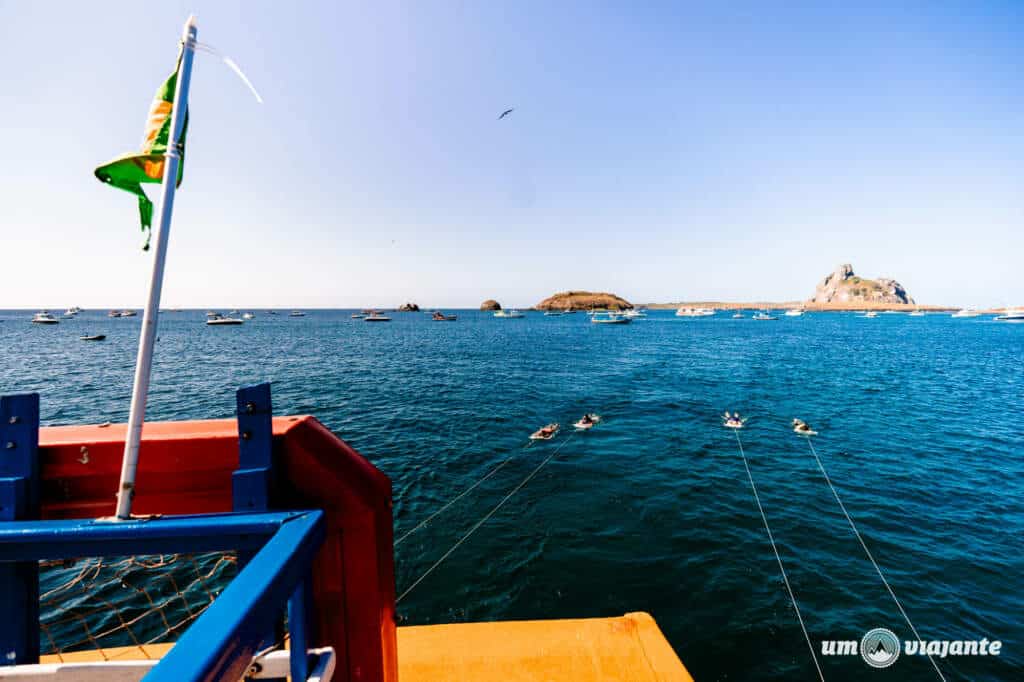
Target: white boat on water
x=510 y=314
x=1012 y=315
x=966 y=312
x=870 y=313
x=222 y=320
x=376 y=317
x=554 y=313
x=764 y=315
x=43 y=317
x=634 y=314
x=918 y=313
x=695 y=312
x=296 y=313
x=128 y=313
x=737 y=316
x=610 y=318
x=794 y=312
x=248 y=316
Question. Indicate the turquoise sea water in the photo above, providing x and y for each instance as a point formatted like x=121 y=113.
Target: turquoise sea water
x=920 y=432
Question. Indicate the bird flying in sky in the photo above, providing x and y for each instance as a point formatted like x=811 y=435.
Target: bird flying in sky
x=506 y=113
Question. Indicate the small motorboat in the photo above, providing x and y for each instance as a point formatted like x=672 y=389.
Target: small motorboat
x=870 y=314
x=545 y=432
x=794 y=312
x=554 y=313
x=737 y=316
x=438 y=316
x=248 y=316
x=93 y=337
x=764 y=315
x=296 y=313
x=43 y=317
x=271 y=312
x=695 y=312
x=966 y=312
x=220 y=320
x=1016 y=315
x=128 y=313
x=634 y=314
x=376 y=317
x=114 y=313
x=587 y=422
x=509 y=314
x=920 y=313
x=610 y=318
x=70 y=312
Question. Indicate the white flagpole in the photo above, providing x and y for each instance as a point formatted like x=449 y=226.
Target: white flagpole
x=144 y=362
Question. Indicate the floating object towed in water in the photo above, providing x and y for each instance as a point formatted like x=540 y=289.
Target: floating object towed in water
x=583 y=424
x=802 y=428
x=545 y=433
x=733 y=421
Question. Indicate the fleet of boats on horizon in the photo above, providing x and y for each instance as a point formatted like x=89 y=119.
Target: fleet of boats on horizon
x=597 y=316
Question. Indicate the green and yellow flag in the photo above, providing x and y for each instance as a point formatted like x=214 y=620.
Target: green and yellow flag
x=128 y=172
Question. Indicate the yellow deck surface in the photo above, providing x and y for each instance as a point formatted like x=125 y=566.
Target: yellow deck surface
x=120 y=653
x=629 y=648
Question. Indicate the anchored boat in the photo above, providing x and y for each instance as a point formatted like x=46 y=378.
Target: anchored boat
x=695 y=312
x=221 y=320
x=1016 y=315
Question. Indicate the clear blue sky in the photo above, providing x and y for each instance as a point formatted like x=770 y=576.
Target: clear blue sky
x=663 y=151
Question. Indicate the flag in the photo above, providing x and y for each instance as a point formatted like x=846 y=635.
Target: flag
x=129 y=171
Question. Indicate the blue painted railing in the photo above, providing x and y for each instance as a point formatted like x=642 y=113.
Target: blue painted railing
x=275 y=549
x=221 y=643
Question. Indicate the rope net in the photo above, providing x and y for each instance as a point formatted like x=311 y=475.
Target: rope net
x=98 y=603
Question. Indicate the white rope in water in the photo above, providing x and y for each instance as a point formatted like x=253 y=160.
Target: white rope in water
x=771 y=539
x=483 y=520
x=871 y=558
x=458 y=497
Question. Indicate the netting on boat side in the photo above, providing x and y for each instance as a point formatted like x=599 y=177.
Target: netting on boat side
x=98 y=603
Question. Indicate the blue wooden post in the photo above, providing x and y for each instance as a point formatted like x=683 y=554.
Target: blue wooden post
x=300 y=629
x=251 y=482
x=19 y=501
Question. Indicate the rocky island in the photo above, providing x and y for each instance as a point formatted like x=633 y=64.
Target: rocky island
x=408 y=308
x=842 y=286
x=490 y=304
x=583 y=300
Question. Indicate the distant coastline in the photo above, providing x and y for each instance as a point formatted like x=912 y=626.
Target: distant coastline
x=820 y=307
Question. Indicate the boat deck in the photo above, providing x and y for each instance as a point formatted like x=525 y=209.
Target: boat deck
x=629 y=647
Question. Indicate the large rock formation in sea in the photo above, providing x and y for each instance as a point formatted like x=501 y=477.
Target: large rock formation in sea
x=843 y=286
x=408 y=308
x=584 y=300
x=490 y=304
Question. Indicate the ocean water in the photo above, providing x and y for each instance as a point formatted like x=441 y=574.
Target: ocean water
x=920 y=430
